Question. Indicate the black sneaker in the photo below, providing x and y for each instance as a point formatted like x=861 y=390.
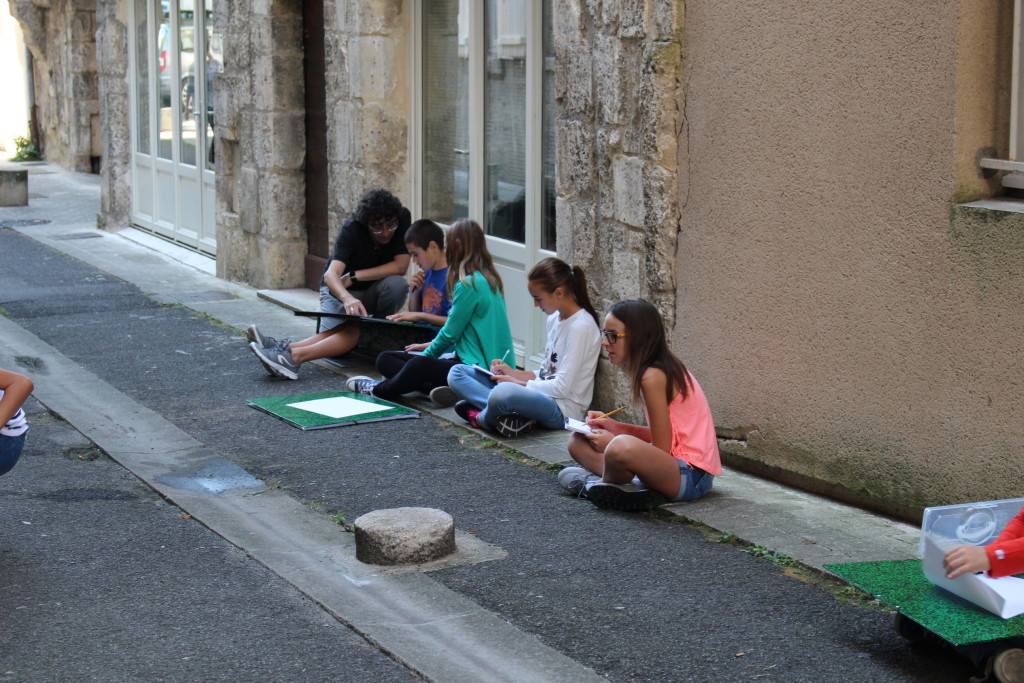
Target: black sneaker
x=443 y=397
x=629 y=497
x=468 y=413
x=513 y=425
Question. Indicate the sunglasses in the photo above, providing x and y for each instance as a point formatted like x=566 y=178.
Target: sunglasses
x=612 y=337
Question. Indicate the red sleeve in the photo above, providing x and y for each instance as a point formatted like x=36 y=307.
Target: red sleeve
x=1006 y=553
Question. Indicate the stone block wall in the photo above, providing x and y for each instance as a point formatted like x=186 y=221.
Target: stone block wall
x=61 y=34
x=367 y=64
x=261 y=144
x=619 y=95
x=115 y=129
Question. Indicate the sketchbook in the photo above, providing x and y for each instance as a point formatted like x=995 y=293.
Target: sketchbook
x=330 y=409
x=577 y=426
x=1003 y=597
x=482 y=371
x=366 y=319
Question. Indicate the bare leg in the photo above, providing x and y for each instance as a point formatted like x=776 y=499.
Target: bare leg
x=583 y=452
x=334 y=342
x=627 y=456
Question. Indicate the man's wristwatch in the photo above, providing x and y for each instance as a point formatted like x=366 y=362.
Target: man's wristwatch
x=352 y=277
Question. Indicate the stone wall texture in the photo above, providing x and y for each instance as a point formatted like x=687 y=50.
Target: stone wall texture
x=368 y=89
x=261 y=144
x=115 y=117
x=617 y=86
x=61 y=35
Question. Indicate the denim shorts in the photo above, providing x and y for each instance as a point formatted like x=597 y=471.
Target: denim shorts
x=693 y=482
x=10 y=451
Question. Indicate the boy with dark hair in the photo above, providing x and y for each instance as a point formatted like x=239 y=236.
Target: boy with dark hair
x=429 y=303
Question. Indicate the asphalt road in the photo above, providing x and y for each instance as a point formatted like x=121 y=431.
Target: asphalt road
x=120 y=583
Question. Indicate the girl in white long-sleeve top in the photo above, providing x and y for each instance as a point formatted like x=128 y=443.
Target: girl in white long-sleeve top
x=512 y=401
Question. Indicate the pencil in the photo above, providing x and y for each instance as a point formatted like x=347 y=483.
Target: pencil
x=599 y=417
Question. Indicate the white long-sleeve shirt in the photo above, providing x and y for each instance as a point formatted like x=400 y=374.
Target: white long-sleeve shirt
x=570 y=361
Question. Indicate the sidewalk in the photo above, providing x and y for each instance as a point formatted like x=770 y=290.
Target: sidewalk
x=809 y=528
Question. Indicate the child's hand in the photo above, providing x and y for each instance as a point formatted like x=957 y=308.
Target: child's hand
x=599 y=439
x=416 y=347
x=404 y=317
x=507 y=378
x=417 y=280
x=965 y=558
x=595 y=421
x=499 y=368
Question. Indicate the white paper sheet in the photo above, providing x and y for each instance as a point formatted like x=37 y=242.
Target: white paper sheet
x=1003 y=596
x=339 y=407
x=577 y=426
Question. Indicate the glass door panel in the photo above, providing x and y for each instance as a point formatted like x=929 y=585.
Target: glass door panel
x=186 y=86
x=505 y=119
x=142 y=77
x=165 y=59
x=446 y=148
x=549 y=191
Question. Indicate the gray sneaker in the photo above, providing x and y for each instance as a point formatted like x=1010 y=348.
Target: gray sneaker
x=513 y=425
x=575 y=480
x=628 y=497
x=262 y=340
x=443 y=397
x=361 y=384
x=278 y=359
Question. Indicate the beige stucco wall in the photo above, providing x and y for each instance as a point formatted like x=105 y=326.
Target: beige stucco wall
x=832 y=312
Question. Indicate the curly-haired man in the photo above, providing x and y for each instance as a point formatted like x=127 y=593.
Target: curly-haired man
x=365 y=276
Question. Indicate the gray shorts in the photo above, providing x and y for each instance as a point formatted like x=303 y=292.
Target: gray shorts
x=380 y=299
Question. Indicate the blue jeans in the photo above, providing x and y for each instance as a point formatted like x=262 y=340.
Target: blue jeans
x=496 y=399
x=693 y=482
x=10 y=451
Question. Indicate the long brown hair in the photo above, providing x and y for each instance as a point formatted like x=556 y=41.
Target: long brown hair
x=648 y=347
x=552 y=273
x=466 y=252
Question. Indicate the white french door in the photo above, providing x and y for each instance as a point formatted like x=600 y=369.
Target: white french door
x=175 y=54
x=483 y=137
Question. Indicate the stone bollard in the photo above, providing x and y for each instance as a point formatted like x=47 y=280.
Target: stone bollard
x=13 y=188
x=404 y=536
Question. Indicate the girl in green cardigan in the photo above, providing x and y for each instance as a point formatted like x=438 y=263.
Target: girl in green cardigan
x=477 y=327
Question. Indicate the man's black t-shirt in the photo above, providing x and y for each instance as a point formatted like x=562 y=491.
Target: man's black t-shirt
x=356 y=248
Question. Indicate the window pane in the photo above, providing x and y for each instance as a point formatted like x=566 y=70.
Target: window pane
x=141 y=77
x=214 y=65
x=446 y=110
x=505 y=119
x=187 y=84
x=547 y=229
x=163 y=60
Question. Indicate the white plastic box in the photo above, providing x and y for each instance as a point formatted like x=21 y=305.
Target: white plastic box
x=967 y=523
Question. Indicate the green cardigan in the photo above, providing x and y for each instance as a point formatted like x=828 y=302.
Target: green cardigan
x=477 y=325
